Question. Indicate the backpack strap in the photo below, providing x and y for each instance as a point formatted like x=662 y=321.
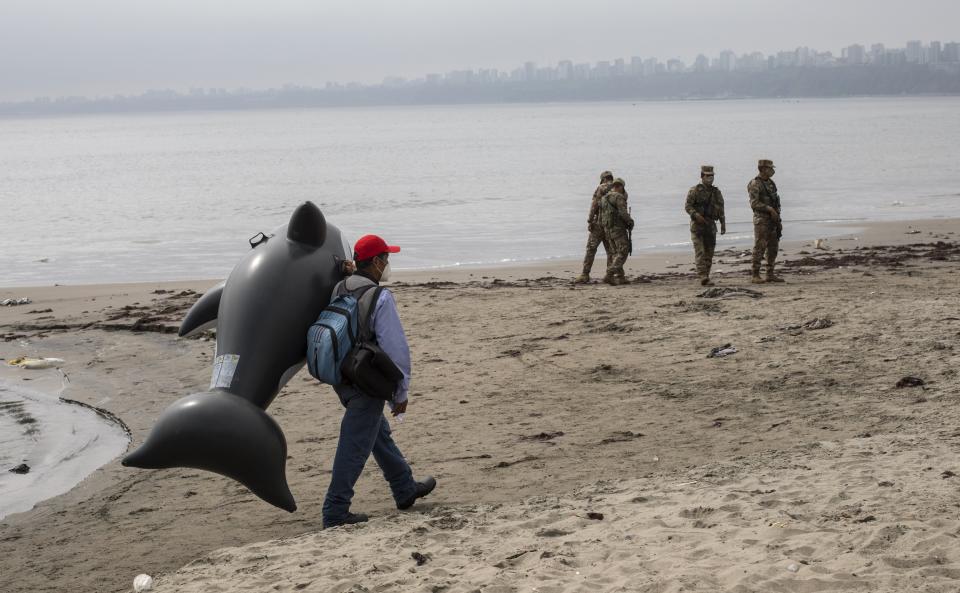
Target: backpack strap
x=366 y=331
x=359 y=287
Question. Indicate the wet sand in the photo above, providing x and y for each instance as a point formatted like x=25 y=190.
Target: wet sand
x=540 y=406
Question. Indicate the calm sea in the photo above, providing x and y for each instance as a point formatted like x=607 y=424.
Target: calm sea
x=93 y=199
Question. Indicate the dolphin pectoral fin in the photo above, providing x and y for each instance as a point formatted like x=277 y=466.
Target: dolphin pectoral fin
x=203 y=314
x=222 y=433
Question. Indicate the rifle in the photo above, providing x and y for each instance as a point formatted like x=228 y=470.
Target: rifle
x=630 y=234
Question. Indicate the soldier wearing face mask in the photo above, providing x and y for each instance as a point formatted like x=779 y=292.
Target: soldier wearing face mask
x=705 y=207
x=767 y=225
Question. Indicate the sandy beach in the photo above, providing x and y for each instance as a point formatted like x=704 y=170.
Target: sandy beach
x=581 y=437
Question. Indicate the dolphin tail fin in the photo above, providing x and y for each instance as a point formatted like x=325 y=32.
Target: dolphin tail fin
x=203 y=314
x=222 y=433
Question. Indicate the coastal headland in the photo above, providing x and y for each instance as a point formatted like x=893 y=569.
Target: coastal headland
x=582 y=438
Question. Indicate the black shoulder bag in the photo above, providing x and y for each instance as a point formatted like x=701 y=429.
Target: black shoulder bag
x=367 y=367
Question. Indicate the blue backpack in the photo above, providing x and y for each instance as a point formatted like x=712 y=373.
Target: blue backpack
x=334 y=335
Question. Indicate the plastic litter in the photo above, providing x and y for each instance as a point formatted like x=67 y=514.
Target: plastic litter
x=794 y=568
x=142 y=582
x=721 y=351
x=14 y=302
x=36 y=363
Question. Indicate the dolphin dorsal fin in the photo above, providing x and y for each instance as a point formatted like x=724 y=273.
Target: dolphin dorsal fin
x=307 y=225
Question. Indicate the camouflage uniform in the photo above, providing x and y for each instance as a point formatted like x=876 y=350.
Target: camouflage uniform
x=616 y=221
x=597 y=235
x=706 y=201
x=766 y=230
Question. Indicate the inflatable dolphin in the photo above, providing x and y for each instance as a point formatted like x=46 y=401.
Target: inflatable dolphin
x=262 y=314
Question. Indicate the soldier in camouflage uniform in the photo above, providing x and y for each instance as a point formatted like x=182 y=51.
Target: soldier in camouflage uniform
x=705 y=207
x=595 y=229
x=616 y=221
x=767 y=226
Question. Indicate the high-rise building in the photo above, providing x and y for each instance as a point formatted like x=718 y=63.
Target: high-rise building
x=602 y=70
x=650 y=67
x=728 y=61
x=565 y=70
x=933 y=55
x=701 y=64
x=854 y=55
x=951 y=52
x=914 y=51
x=636 y=66
x=619 y=67
x=529 y=71
x=675 y=66
x=785 y=59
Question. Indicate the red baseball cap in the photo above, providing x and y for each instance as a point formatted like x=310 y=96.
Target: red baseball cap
x=369 y=246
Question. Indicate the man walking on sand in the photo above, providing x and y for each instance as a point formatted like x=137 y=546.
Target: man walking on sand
x=767 y=225
x=617 y=222
x=705 y=207
x=594 y=229
x=364 y=428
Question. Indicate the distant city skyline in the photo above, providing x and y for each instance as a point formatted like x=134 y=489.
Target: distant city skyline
x=914 y=52
x=60 y=47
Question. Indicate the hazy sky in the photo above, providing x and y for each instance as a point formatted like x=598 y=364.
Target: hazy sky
x=60 y=47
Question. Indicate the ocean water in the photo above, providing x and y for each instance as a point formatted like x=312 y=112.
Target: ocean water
x=91 y=199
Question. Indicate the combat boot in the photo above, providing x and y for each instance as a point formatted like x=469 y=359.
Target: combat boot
x=772 y=277
x=611 y=280
x=705 y=281
x=756 y=279
x=582 y=279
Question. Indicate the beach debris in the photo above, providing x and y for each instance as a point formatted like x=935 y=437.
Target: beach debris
x=36 y=363
x=818 y=323
x=420 y=558
x=15 y=302
x=23 y=468
x=722 y=351
x=142 y=582
x=947 y=474
x=543 y=436
x=821 y=244
x=595 y=516
x=621 y=436
x=910 y=382
x=913 y=232
x=722 y=292
x=794 y=567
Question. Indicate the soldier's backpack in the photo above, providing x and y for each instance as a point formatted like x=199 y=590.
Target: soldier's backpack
x=335 y=335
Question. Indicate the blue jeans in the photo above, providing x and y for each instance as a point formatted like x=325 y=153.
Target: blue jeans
x=364 y=430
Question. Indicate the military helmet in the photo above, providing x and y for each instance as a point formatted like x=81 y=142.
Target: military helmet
x=620 y=182
x=765 y=163
x=606 y=175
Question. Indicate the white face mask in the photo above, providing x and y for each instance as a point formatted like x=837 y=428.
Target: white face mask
x=385 y=274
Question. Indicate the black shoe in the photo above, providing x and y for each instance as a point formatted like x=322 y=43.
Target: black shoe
x=423 y=488
x=350 y=519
